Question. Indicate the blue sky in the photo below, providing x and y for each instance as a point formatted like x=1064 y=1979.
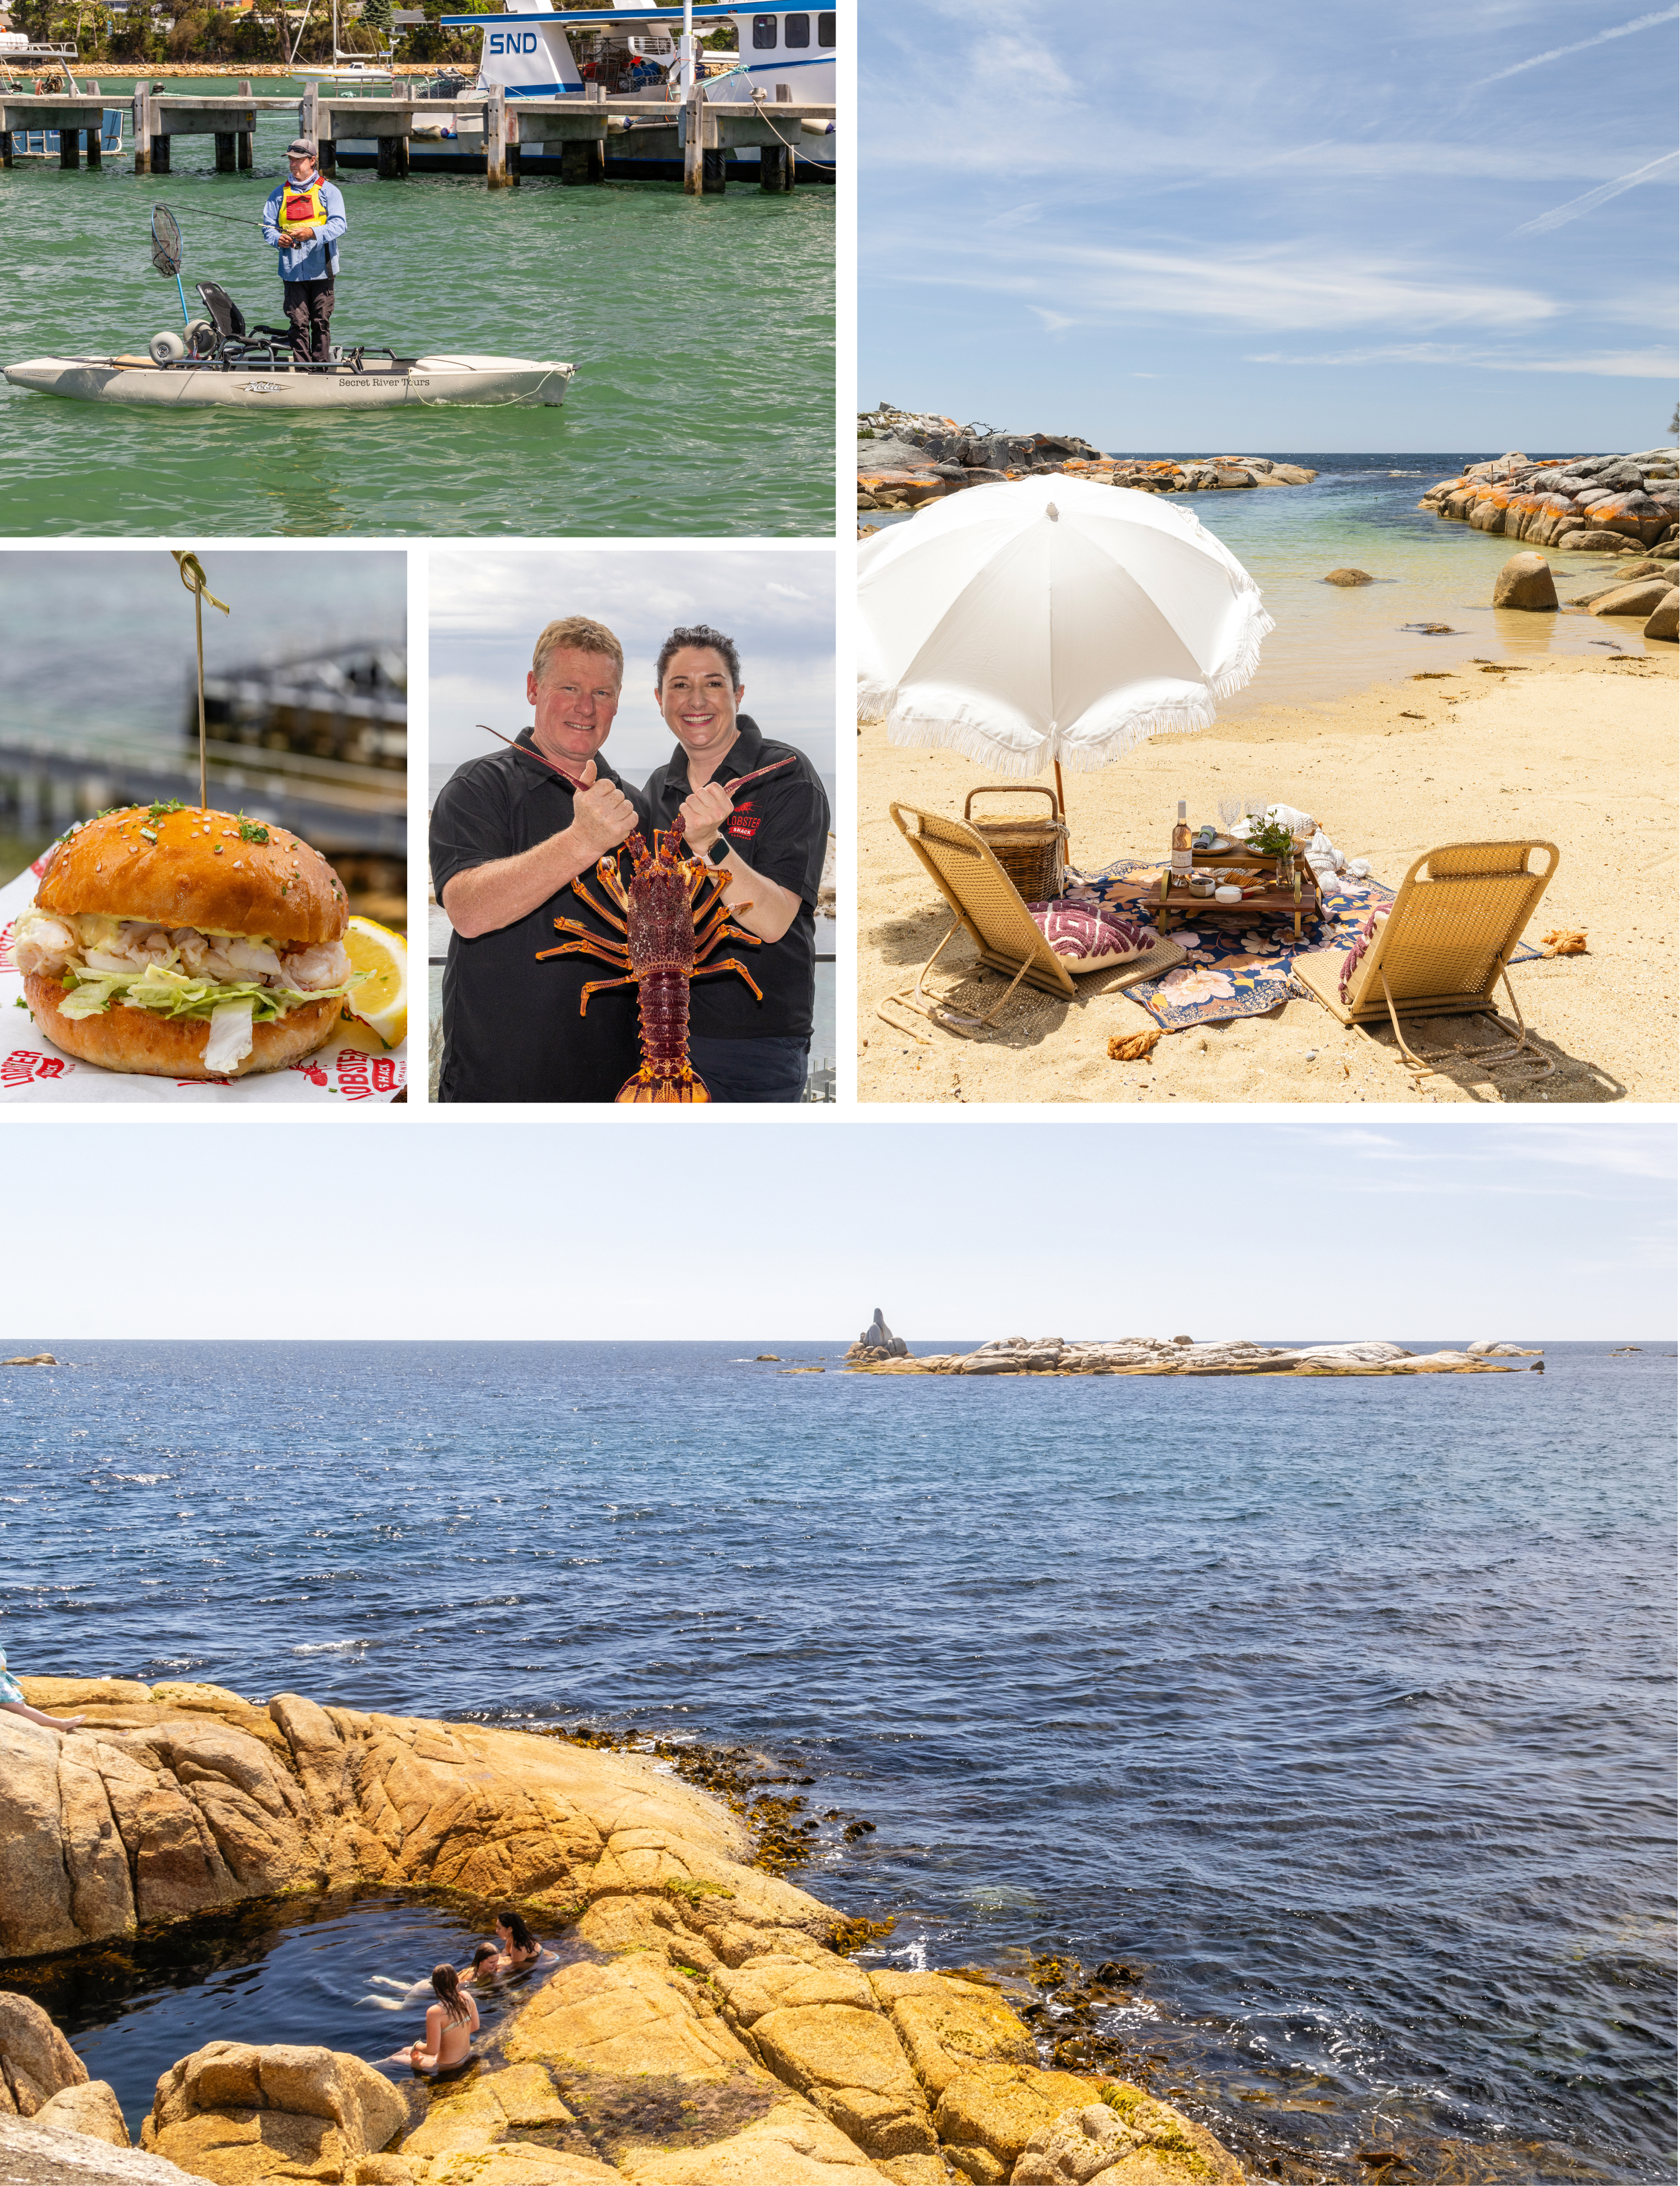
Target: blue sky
x=1560 y=1228
x=488 y=604
x=1215 y=227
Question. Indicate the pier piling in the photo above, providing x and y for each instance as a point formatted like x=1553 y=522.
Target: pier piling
x=70 y=148
x=243 y=138
x=495 y=138
x=142 y=129
x=224 y=155
x=5 y=148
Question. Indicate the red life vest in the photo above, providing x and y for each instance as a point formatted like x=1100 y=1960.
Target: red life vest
x=301 y=205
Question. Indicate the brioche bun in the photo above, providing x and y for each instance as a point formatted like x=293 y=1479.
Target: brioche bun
x=120 y=1039
x=199 y=872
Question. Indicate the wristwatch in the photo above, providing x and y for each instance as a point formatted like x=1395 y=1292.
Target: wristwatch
x=720 y=849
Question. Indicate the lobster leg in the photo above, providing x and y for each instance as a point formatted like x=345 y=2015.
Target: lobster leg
x=599 y=909
x=597 y=942
x=603 y=987
x=607 y=872
x=731 y=964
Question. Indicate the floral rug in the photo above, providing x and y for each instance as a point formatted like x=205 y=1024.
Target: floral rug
x=1236 y=969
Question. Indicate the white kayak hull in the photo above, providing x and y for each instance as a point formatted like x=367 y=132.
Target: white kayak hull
x=485 y=381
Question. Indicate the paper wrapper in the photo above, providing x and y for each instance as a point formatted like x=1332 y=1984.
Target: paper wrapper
x=353 y=1065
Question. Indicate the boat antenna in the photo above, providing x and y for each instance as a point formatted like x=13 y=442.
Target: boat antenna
x=193 y=576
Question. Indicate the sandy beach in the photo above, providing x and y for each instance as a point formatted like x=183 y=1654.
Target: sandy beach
x=1579 y=752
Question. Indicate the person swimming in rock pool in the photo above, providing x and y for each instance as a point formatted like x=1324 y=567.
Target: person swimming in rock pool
x=14 y=1703
x=451 y=2024
x=486 y=1963
x=519 y=1947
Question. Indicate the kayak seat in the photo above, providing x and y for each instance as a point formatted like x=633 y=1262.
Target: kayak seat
x=229 y=331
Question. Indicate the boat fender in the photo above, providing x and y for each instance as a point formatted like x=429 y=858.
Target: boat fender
x=167 y=347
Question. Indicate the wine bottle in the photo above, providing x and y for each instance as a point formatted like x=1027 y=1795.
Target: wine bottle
x=1182 y=858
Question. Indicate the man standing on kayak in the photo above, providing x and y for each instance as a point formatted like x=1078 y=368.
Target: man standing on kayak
x=303 y=220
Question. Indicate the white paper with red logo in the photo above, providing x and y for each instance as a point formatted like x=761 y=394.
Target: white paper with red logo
x=32 y=1069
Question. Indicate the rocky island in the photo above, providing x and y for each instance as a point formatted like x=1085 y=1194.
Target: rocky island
x=906 y=458
x=705 y=2026
x=1573 y=504
x=1175 y=1354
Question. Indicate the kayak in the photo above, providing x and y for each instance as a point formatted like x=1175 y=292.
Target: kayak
x=195 y=383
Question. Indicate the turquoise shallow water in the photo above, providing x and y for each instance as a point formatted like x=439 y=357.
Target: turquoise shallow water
x=1361 y=513
x=1341 y=1712
x=701 y=328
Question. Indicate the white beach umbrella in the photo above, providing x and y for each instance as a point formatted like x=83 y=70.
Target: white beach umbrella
x=1050 y=620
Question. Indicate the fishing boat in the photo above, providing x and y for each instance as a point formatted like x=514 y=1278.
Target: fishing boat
x=354 y=380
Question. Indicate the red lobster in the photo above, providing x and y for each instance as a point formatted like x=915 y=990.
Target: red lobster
x=670 y=926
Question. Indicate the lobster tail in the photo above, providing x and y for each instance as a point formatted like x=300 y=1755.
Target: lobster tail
x=657 y=1088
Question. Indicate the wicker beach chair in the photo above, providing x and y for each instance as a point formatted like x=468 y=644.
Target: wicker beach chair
x=989 y=909
x=1446 y=944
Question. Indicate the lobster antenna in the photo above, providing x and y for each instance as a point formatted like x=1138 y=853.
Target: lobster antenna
x=531 y=752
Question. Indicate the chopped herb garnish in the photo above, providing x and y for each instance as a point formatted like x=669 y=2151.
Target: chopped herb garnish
x=147 y=834
x=249 y=832
x=19 y=1003
x=156 y=812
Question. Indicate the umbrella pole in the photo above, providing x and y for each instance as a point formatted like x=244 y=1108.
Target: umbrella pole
x=1060 y=800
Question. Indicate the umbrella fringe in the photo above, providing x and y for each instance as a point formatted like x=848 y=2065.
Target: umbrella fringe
x=876 y=700
x=1240 y=667
x=970 y=740
x=1176 y=717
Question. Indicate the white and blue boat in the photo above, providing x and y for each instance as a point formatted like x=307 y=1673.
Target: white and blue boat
x=782 y=52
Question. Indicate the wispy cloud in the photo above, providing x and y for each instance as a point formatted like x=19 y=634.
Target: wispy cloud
x=1626 y=364
x=1054 y=322
x=1303 y=285
x=1581 y=45
x=1576 y=206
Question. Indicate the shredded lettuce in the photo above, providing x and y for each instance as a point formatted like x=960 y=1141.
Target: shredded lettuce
x=173 y=994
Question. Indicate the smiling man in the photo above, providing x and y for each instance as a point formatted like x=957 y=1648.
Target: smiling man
x=767 y=844
x=508 y=837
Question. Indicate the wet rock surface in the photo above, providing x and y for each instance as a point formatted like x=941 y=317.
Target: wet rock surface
x=704 y=2027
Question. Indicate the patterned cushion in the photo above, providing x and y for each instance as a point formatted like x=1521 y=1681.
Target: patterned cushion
x=1091 y=937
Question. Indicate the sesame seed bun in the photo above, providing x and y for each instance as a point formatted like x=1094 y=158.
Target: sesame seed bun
x=120 y=1039
x=197 y=871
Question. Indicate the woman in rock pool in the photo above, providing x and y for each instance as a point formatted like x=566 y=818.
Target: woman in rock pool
x=451 y=2024
x=519 y=1947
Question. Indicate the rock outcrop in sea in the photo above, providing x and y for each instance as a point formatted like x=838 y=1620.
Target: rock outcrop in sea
x=906 y=458
x=705 y=2026
x=1178 y=1354
x=1573 y=504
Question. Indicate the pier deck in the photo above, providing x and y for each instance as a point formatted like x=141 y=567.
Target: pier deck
x=584 y=132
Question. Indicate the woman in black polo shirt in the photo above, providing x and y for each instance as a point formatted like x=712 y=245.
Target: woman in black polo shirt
x=769 y=844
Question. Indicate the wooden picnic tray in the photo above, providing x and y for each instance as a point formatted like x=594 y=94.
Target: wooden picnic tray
x=1173 y=900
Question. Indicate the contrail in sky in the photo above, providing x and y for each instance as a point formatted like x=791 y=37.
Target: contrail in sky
x=1602 y=195
x=1557 y=52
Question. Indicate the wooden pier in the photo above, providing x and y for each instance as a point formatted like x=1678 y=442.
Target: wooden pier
x=700 y=132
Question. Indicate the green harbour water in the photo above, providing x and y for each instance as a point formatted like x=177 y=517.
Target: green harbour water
x=703 y=330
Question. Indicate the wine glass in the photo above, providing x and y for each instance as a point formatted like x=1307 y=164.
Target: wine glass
x=1231 y=811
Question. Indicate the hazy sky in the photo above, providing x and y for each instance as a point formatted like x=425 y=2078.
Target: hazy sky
x=466 y=1225
x=1235 y=229
x=488 y=606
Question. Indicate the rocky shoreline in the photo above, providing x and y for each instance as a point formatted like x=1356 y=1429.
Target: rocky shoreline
x=906 y=459
x=1575 y=504
x=1179 y=1354
x=705 y=2027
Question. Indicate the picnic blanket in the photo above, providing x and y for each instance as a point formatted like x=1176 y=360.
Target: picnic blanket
x=1237 y=969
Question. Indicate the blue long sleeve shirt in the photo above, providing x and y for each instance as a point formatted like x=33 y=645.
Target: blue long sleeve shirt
x=317 y=257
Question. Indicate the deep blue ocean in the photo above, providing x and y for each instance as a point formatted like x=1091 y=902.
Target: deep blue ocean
x=1340 y=1712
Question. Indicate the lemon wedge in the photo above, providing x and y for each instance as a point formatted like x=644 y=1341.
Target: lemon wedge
x=380 y=1001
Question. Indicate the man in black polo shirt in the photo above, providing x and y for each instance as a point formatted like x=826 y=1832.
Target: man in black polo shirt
x=508 y=837
x=768 y=843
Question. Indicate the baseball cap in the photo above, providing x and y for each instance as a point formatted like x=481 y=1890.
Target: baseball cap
x=300 y=148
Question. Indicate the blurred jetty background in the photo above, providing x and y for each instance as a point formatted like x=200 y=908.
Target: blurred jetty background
x=305 y=702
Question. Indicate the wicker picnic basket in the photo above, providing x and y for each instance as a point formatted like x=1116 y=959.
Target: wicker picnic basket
x=1029 y=850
